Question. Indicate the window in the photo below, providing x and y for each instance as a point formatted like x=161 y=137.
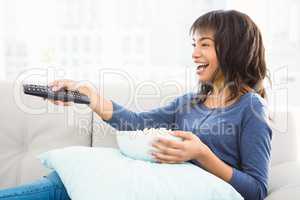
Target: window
x=82 y=36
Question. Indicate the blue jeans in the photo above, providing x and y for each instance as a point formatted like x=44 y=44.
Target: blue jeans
x=47 y=188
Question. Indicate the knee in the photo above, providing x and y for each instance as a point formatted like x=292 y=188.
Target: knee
x=54 y=178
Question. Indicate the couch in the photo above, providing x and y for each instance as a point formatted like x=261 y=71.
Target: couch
x=30 y=126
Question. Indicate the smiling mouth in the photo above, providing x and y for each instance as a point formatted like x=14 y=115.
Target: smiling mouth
x=202 y=66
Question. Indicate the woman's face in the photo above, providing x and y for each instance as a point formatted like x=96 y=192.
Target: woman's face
x=204 y=56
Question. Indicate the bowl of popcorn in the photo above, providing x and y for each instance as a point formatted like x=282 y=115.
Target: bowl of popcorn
x=138 y=144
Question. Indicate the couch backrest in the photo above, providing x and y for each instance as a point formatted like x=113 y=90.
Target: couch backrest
x=29 y=126
x=285 y=141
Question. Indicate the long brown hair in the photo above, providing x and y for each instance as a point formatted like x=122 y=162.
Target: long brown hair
x=240 y=52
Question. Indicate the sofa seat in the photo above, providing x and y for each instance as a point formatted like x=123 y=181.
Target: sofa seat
x=284 y=182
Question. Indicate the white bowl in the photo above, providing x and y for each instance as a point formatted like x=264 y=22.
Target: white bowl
x=138 y=144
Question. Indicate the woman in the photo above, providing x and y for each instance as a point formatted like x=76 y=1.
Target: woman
x=224 y=125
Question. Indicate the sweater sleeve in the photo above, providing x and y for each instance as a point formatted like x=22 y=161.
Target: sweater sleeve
x=162 y=117
x=252 y=177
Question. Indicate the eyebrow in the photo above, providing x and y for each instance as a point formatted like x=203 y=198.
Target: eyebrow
x=204 y=38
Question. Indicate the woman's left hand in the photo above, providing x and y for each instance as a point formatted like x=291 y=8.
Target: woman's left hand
x=170 y=151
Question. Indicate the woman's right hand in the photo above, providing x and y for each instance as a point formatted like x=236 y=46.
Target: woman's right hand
x=83 y=88
x=100 y=105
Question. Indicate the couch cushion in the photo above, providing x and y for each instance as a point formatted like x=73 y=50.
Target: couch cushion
x=284 y=176
x=29 y=126
x=286 y=193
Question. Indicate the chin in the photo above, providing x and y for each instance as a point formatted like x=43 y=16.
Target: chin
x=203 y=79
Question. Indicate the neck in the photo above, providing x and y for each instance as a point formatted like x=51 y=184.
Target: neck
x=220 y=93
x=218 y=98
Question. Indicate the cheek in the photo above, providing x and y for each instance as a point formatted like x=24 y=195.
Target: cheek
x=214 y=61
x=211 y=71
x=213 y=56
x=214 y=66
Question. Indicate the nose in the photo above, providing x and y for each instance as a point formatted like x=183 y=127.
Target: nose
x=196 y=53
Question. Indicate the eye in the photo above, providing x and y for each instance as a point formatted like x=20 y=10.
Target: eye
x=205 y=45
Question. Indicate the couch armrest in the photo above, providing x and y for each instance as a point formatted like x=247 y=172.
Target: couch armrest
x=284 y=181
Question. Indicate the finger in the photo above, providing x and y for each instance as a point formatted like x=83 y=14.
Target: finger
x=182 y=134
x=62 y=103
x=54 y=102
x=66 y=84
x=84 y=86
x=50 y=100
x=165 y=161
x=164 y=158
x=52 y=83
x=170 y=143
x=165 y=150
x=169 y=162
x=69 y=103
x=60 y=84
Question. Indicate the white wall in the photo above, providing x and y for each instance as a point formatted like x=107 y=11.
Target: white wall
x=83 y=36
x=2 y=63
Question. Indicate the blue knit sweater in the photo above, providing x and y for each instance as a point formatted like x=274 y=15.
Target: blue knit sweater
x=239 y=134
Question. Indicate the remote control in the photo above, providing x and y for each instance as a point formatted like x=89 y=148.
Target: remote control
x=62 y=95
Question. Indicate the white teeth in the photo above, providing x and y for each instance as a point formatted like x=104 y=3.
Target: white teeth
x=202 y=66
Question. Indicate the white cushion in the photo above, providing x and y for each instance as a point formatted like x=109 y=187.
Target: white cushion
x=105 y=173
